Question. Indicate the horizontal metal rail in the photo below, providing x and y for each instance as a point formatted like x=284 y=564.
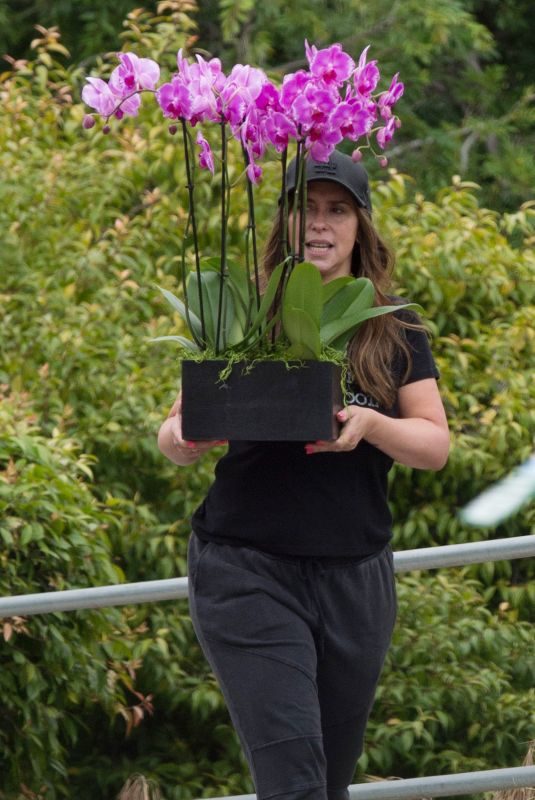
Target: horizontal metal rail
x=459 y=555
x=491 y=780
x=453 y=555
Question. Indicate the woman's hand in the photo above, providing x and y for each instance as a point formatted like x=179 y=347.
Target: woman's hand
x=173 y=445
x=418 y=438
x=356 y=422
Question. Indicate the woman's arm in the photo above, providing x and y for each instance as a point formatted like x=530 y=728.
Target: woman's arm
x=171 y=443
x=419 y=438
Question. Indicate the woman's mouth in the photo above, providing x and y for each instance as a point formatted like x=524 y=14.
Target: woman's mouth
x=318 y=247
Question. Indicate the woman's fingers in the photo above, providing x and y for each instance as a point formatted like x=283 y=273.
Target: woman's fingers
x=353 y=420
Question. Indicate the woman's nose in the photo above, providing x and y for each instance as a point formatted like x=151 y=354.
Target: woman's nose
x=317 y=220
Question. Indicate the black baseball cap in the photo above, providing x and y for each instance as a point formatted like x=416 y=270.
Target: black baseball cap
x=339 y=169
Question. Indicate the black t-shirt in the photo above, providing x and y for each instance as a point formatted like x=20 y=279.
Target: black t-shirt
x=274 y=497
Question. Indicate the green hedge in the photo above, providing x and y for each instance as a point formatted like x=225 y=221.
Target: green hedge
x=89 y=225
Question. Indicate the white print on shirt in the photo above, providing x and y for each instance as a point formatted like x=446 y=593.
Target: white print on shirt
x=360 y=399
x=355 y=397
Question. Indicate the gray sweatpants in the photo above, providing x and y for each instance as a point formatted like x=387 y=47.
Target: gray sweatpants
x=297 y=646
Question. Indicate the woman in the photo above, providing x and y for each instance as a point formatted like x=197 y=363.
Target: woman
x=291 y=574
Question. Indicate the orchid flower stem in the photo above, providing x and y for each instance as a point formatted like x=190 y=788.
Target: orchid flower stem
x=191 y=219
x=224 y=220
x=297 y=206
x=251 y=227
x=302 y=206
x=283 y=245
x=284 y=207
x=191 y=187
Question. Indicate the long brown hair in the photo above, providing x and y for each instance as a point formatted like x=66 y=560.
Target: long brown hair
x=373 y=348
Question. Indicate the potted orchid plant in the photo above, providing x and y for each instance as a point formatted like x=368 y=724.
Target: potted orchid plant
x=246 y=332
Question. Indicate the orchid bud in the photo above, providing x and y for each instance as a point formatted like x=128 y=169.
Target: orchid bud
x=356 y=155
x=383 y=161
x=172 y=129
x=397 y=123
x=106 y=129
x=89 y=121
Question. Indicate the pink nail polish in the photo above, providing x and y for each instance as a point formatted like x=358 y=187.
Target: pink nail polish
x=309 y=449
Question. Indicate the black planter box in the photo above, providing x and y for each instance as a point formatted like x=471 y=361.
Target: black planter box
x=274 y=401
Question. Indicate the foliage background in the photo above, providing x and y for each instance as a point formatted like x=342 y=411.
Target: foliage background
x=88 y=225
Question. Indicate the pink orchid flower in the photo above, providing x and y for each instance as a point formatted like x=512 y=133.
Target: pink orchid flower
x=206 y=157
x=388 y=99
x=134 y=74
x=330 y=65
x=254 y=172
x=366 y=76
x=99 y=95
x=292 y=86
x=203 y=82
x=321 y=141
x=251 y=133
x=385 y=134
x=174 y=100
x=240 y=91
x=279 y=129
x=268 y=99
x=354 y=118
x=313 y=106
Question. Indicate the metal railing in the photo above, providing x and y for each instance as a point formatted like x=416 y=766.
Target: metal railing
x=455 y=555
x=435 y=786
x=452 y=555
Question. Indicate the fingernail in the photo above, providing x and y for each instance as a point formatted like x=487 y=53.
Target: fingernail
x=309 y=449
x=342 y=414
x=190 y=444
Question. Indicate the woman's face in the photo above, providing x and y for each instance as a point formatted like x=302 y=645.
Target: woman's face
x=331 y=228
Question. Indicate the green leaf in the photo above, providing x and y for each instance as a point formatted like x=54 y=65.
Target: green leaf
x=235 y=331
x=334 y=286
x=304 y=291
x=178 y=305
x=240 y=281
x=357 y=295
x=347 y=325
x=303 y=333
x=267 y=301
x=211 y=288
x=186 y=343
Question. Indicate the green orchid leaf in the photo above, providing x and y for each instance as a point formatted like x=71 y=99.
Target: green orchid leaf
x=358 y=294
x=211 y=289
x=304 y=291
x=235 y=332
x=241 y=312
x=301 y=353
x=212 y=263
x=236 y=275
x=241 y=283
x=187 y=344
x=334 y=286
x=347 y=325
x=267 y=301
x=302 y=331
x=249 y=342
x=194 y=322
